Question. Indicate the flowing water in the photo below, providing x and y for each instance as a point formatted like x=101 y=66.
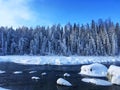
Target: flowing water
x=23 y=81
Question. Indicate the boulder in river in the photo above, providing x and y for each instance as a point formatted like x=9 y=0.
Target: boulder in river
x=94 y=70
x=113 y=74
x=63 y=82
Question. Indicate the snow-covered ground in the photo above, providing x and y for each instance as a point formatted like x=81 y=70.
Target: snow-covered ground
x=95 y=70
x=97 y=81
x=58 y=60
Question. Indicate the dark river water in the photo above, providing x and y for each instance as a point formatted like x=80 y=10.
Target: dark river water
x=23 y=80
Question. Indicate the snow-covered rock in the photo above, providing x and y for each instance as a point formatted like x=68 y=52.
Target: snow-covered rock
x=66 y=75
x=17 y=72
x=44 y=73
x=3 y=88
x=97 y=81
x=63 y=82
x=113 y=71
x=115 y=80
x=32 y=71
x=1 y=72
x=113 y=74
x=35 y=78
x=95 y=70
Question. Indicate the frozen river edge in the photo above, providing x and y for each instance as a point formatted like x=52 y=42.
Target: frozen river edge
x=59 y=60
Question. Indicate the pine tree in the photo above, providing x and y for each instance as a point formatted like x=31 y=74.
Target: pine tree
x=97 y=38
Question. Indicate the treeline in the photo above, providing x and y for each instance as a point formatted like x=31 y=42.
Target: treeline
x=98 y=38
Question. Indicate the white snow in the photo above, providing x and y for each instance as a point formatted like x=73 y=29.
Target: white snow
x=114 y=74
x=3 y=88
x=58 y=60
x=35 y=78
x=97 y=81
x=1 y=72
x=115 y=80
x=17 y=72
x=66 y=75
x=113 y=70
x=63 y=82
x=44 y=73
x=32 y=71
x=95 y=70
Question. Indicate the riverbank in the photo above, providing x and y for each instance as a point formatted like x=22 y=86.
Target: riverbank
x=59 y=60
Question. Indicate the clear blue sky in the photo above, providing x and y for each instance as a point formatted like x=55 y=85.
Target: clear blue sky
x=79 y=11
x=48 y=12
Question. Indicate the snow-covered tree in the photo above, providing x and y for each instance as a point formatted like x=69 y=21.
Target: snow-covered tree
x=97 y=38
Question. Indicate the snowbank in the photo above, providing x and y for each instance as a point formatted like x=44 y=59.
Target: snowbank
x=96 y=70
x=58 y=60
x=97 y=81
x=63 y=82
x=113 y=74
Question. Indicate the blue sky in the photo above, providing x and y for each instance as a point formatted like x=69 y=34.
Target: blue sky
x=48 y=12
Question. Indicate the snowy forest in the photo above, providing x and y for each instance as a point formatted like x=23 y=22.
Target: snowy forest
x=99 y=38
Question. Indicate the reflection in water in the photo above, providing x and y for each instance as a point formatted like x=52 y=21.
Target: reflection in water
x=115 y=87
x=63 y=88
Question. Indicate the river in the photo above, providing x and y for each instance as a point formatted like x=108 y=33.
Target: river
x=23 y=81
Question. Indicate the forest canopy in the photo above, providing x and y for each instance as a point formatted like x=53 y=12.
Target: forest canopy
x=99 y=38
